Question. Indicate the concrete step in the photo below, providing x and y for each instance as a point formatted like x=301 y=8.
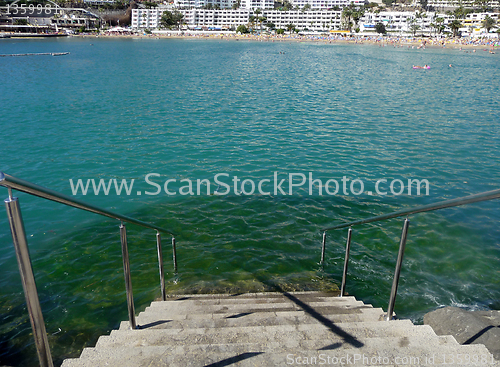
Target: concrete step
x=306 y=295
x=304 y=328
x=162 y=321
x=255 y=298
x=312 y=337
x=255 y=355
x=396 y=328
x=221 y=311
x=190 y=307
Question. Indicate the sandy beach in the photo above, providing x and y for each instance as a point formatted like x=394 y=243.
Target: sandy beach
x=413 y=42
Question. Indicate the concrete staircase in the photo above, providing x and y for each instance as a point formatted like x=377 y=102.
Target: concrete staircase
x=275 y=329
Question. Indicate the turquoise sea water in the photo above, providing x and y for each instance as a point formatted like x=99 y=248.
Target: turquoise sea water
x=192 y=109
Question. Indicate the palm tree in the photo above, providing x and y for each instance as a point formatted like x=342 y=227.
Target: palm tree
x=171 y=19
x=351 y=14
x=270 y=26
x=419 y=17
x=414 y=27
x=251 y=22
x=455 y=25
x=439 y=24
x=459 y=13
x=260 y=20
x=488 y=23
x=347 y=16
x=290 y=27
x=483 y=4
x=357 y=15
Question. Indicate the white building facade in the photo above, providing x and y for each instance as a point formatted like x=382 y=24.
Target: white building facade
x=326 y=4
x=452 y=4
x=315 y=20
x=257 y=4
x=266 y=4
x=146 y=18
x=402 y=21
x=189 y=4
x=393 y=20
x=219 y=19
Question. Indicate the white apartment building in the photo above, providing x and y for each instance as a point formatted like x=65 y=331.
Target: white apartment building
x=220 y=19
x=257 y=4
x=265 y=4
x=400 y=21
x=317 y=20
x=393 y=20
x=473 y=23
x=314 y=20
x=189 y=4
x=146 y=18
x=451 y=4
x=326 y=4
x=225 y=4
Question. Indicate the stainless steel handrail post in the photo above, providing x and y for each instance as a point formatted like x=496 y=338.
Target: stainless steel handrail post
x=174 y=254
x=397 y=271
x=160 y=265
x=323 y=248
x=346 y=262
x=28 y=280
x=128 y=278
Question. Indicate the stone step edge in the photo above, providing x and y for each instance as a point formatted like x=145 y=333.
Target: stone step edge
x=256 y=315
x=125 y=325
x=174 y=304
x=239 y=300
x=262 y=310
x=89 y=353
x=152 y=320
x=258 y=294
x=225 y=336
x=221 y=312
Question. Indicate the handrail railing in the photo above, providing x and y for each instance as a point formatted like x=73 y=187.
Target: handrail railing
x=485 y=196
x=23 y=258
x=36 y=190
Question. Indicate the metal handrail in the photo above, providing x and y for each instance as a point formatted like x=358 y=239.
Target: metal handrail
x=36 y=190
x=484 y=196
x=24 y=262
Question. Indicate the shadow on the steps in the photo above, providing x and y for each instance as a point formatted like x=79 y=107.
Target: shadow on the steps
x=151 y=324
x=331 y=346
x=348 y=338
x=237 y=316
x=231 y=360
